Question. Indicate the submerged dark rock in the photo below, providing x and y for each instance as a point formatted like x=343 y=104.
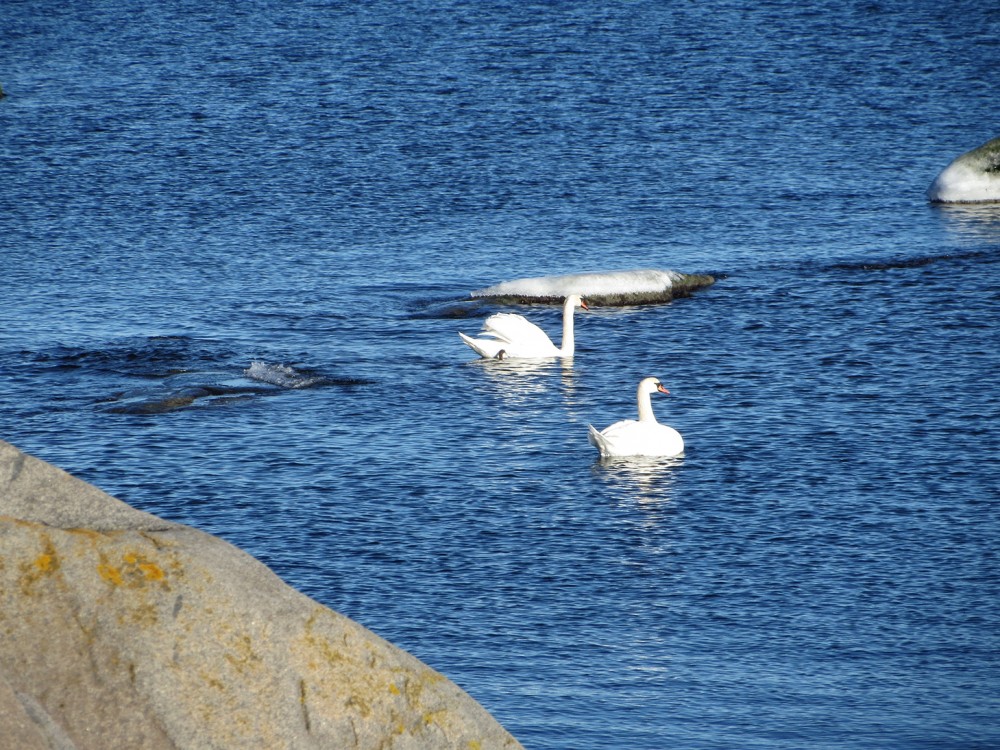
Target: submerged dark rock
x=119 y=629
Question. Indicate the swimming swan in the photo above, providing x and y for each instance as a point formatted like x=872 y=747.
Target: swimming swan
x=514 y=336
x=647 y=437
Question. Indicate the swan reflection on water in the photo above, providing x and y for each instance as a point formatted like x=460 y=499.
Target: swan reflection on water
x=972 y=221
x=515 y=380
x=643 y=480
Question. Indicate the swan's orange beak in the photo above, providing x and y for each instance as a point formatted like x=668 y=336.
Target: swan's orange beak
x=583 y=304
x=661 y=389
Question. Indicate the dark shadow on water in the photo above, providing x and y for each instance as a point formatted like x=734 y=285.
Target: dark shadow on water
x=899 y=263
x=450 y=309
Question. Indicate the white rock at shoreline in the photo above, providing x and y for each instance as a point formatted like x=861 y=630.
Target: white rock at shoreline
x=974 y=177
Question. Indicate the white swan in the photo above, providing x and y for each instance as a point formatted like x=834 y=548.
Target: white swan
x=647 y=437
x=512 y=336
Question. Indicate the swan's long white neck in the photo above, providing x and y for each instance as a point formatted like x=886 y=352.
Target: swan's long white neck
x=645 y=405
x=568 y=340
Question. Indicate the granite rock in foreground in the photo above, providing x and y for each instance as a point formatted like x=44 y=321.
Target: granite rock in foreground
x=121 y=630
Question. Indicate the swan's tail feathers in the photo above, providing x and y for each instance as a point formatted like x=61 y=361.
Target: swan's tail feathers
x=483 y=347
x=596 y=438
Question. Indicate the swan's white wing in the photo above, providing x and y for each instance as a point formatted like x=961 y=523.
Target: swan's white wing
x=619 y=439
x=513 y=334
x=632 y=438
x=512 y=328
x=487 y=348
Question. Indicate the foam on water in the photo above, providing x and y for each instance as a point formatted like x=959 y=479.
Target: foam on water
x=280 y=375
x=607 y=288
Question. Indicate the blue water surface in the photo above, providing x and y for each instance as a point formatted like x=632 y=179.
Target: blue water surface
x=239 y=240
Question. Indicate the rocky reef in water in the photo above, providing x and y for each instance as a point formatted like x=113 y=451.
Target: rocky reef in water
x=616 y=288
x=119 y=629
x=974 y=177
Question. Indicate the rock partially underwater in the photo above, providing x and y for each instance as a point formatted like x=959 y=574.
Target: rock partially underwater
x=608 y=288
x=974 y=177
x=121 y=630
x=207 y=389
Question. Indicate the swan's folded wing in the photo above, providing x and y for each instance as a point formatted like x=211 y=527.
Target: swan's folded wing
x=632 y=438
x=624 y=438
x=487 y=348
x=511 y=327
x=621 y=429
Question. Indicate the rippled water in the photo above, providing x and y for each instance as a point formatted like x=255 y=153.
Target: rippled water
x=239 y=241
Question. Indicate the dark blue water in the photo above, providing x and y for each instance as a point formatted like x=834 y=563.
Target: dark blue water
x=236 y=241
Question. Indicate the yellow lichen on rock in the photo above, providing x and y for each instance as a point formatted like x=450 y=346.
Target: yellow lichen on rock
x=134 y=571
x=46 y=562
x=42 y=565
x=152 y=571
x=131 y=631
x=242 y=656
x=110 y=573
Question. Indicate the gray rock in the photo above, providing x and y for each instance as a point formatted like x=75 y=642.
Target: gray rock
x=604 y=288
x=121 y=630
x=973 y=177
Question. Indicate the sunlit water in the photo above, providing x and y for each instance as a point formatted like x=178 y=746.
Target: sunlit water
x=238 y=246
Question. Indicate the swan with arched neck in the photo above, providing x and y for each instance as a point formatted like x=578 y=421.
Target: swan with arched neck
x=512 y=336
x=642 y=437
